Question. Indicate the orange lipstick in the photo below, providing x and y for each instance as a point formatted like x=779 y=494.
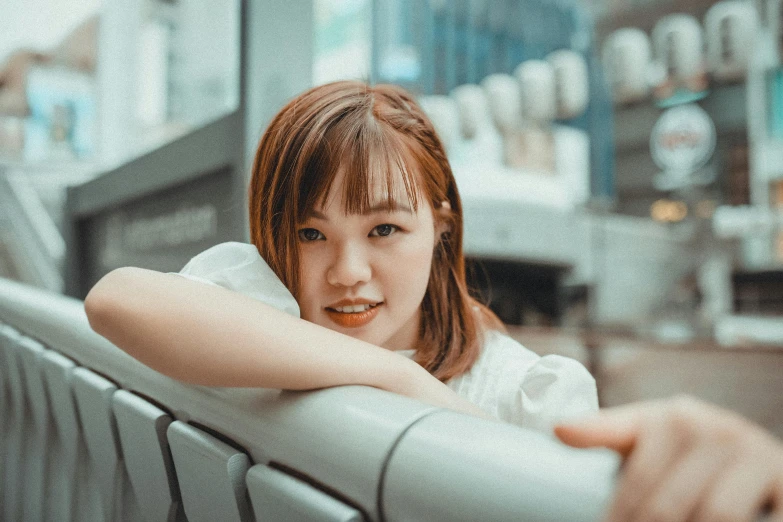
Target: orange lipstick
x=353 y=320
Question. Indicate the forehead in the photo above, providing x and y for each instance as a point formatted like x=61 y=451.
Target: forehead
x=389 y=187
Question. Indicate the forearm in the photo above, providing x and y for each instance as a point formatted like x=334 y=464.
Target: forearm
x=210 y=336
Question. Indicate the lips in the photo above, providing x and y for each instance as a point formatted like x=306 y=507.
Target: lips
x=343 y=314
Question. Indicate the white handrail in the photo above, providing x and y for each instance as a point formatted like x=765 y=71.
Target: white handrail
x=388 y=456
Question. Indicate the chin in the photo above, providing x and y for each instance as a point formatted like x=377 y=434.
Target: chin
x=365 y=335
x=369 y=336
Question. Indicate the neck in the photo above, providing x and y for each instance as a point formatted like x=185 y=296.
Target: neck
x=407 y=337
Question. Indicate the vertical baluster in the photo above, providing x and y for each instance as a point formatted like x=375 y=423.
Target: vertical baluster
x=19 y=421
x=278 y=496
x=8 y=336
x=94 y=398
x=34 y=494
x=68 y=447
x=211 y=476
x=142 y=429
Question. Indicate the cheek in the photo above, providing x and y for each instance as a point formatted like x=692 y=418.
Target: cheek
x=411 y=271
x=309 y=284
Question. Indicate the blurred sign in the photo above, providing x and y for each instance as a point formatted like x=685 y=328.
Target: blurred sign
x=681 y=143
x=162 y=230
x=683 y=138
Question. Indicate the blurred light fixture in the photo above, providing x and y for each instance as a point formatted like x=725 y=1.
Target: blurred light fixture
x=473 y=109
x=537 y=83
x=678 y=42
x=444 y=114
x=730 y=29
x=505 y=101
x=572 y=91
x=668 y=211
x=626 y=57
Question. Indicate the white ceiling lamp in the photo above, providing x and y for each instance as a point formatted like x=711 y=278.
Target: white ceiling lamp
x=572 y=91
x=505 y=101
x=626 y=57
x=730 y=28
x=473 y=107
x=678 y=42
x=482 y=143
x=537 y=84
x=443 y=112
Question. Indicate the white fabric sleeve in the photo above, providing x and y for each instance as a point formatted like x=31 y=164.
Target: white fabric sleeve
x=240 y=268
x=520 y=387
x=554 y=389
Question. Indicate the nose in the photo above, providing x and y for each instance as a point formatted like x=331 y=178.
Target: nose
x=349 y=267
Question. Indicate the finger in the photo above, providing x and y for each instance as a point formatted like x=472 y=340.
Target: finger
x=656 y=450
x=614 y=428
x=614 y=435
x=685 y=484
x=740 y=491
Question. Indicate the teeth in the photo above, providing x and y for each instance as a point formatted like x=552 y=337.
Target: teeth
x=354 y=309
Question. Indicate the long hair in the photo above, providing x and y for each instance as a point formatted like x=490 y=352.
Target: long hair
x=369 y=133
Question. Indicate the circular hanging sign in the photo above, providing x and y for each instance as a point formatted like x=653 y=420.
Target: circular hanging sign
x=683 y=139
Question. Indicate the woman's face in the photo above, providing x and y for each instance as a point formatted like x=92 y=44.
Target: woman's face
x=365 y=275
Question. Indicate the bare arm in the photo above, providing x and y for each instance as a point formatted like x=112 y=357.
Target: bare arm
x=686 y=460
x=207 y=335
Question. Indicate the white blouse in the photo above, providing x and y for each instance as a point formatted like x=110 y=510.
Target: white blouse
x=507 y=381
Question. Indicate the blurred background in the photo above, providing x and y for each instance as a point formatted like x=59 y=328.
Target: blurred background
x=620 y=161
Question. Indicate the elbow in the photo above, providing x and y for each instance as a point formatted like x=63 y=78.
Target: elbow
x=95 y=306
x=102 y=303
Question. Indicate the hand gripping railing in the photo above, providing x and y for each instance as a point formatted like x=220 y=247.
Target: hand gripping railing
x=89 y=433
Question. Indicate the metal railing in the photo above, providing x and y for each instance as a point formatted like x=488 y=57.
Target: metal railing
x=89 y=433
x=30 y=234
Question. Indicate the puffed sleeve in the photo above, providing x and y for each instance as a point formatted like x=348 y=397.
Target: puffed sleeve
x=240 y=268
x=520 y=387
x=554 y=389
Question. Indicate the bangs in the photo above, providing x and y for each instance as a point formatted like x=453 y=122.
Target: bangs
x=380 y=166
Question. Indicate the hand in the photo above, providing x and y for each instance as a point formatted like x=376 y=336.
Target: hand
x=686 y=460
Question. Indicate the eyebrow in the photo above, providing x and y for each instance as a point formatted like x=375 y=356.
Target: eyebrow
x=375 y=209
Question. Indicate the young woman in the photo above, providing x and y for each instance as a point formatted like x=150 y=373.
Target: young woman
x=356 y=227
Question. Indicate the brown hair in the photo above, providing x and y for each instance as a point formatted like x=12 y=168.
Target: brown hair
x=368 y=132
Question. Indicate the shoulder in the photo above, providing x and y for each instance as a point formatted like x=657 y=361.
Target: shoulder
x=240 y=268
x=502 y=354
x=221 y=257
x=521 y=387
x=498 y=345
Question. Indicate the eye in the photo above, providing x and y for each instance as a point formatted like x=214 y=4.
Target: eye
x=310 y=234
x=384 y=230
